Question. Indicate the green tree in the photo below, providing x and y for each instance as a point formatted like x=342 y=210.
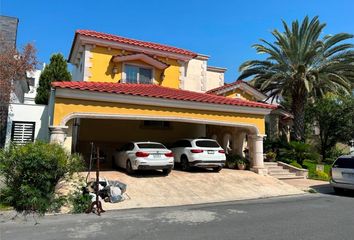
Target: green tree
x=301 y=65
x=55 y=71
x=334 y=118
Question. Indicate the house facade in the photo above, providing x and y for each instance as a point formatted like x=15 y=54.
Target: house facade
x=131 y=90
x=278 y=122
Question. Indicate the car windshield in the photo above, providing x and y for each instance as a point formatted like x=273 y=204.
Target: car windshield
x=344 y=162
x=207 y=143
x=151 y=145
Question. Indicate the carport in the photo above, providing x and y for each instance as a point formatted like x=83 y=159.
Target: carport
x=112 y=113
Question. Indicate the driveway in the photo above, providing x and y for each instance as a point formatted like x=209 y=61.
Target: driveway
x=152 y=189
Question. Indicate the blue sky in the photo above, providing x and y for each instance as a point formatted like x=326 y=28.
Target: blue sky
x=225 y=30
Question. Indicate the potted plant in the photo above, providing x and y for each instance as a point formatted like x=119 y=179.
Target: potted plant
x=270 y=156
x=231 y=161
x=241 y=164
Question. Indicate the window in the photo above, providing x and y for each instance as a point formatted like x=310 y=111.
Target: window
x=344 y=162
x=136 y=74
x=207 y=143
x=151 y=145
x=30 y=82
x=22 y=132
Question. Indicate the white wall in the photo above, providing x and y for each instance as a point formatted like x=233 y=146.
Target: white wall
x=78 y=69
x=196 y=75
x=214 y=80
x=199 y=78
x=31 y=95
x=30 y=113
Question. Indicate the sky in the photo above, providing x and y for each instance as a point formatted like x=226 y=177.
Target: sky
x=224 y=30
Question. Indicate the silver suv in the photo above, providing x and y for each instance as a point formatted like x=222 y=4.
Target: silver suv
x=342 y=173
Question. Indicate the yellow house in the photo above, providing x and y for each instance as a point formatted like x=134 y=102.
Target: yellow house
x=278 y=122
x=130 y=90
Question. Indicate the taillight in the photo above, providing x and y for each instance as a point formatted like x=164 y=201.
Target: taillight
x=142 y=154
x=222 y=151
x=196 y=150
x=170 y=154
x=330 y=173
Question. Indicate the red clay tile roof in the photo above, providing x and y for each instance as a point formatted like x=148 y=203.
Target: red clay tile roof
x=156 y=91
x=215 y=90
x=115 y=38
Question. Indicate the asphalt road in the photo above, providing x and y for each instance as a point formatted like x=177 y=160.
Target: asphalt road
x=312 y=216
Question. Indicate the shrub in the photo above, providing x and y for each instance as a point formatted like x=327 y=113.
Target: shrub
x=299 y=152
x=321 y=175
x=333 y=154
x=80 y=200
x=31 y=173
x=231 y=160
x=271 y=156
x=295 y=164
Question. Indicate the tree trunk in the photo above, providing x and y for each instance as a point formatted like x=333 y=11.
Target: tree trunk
x=298 y=108
x=3 y=123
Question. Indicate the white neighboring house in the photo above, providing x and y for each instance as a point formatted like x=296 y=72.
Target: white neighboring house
x=26 y=121
x=33 y=82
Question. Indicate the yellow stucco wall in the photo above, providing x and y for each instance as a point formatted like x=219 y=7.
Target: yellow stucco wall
x=244 y=95
x=101 y=69
x=64 y=107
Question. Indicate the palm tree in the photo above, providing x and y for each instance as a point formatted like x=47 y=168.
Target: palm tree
x=301 y=65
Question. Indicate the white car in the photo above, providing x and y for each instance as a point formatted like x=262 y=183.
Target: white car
x=144 y=156
x=342 y=173
x=204 y=153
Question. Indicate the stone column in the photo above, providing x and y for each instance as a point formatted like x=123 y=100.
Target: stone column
x=257 y=162
x=226 y=141
x=57 y=134
x=238 y=143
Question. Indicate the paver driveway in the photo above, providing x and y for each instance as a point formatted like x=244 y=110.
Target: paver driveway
x=153 y=189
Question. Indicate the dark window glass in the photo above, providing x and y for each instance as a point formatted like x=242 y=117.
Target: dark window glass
x=207 y=143
x=130 y=146
x=186 y=143
x=151 y=145
x=135 y=74
x=145 y=75
x=344 y=162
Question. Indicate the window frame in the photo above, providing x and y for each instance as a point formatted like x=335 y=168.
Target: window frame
x=124 y=74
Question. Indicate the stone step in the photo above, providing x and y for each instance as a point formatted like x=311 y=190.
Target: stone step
x=281 y=173
x=281 y=177
x=275 y=171
x=274 y=168
x=270 y=163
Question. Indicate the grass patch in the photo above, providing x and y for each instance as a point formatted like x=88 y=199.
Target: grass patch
x=313 y=174
x=5 y=207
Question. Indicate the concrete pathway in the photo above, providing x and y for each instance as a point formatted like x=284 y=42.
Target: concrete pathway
x=152 y=189
x=308 y=184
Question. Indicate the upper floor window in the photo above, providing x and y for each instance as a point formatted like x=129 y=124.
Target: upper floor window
x=137 y=74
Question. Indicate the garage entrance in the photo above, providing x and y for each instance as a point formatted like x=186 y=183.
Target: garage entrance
x=111 y=134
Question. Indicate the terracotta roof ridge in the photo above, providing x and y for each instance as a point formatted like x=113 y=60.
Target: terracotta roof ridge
x=134 y=41
x=157 y=91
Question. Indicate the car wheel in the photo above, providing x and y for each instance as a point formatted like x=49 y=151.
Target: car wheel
x=217 y=169
x=114 y=165
x=338 y=190
x=185 y=163
x=129 y=168
x=166 y=171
